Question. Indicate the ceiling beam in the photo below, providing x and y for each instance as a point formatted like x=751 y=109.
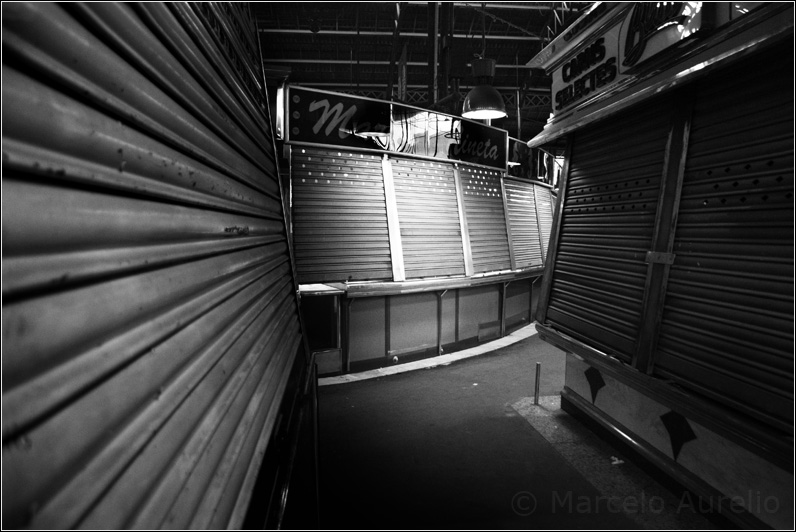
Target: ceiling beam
x=367 y=62
x=462 y=88
x=536 y=6
x=275 y=31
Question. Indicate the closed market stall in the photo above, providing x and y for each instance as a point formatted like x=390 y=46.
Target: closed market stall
x=407 y=228
x=670 y=270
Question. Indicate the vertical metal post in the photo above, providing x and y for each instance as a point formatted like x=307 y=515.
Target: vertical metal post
x=393 y=223
x=535 y=189
x=468 y=253
x=387 y=342
x=507 y=218
x=660 y=258
x=346 y=343
x=519 y=114
x=391 y=77
x=536 y=388
x=503 y=309
x=446 y=30
x=550 y=256
x=337 y=311
x=440 y=295
x=456 y=317
x=433 y=52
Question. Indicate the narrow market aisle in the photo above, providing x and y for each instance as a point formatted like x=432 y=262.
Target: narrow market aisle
x=445 y=448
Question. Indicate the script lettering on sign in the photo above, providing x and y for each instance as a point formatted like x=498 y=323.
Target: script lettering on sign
x=475 y=148
x=480 y=145
x=339 y=119
x=332 y=119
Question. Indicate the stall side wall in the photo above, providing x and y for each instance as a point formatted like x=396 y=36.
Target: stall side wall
x=150 y=320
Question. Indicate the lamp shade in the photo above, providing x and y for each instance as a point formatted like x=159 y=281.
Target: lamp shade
x=483 y=102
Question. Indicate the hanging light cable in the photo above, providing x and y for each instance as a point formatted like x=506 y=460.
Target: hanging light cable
x=484 y=101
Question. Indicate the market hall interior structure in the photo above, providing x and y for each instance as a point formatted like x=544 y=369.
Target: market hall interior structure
x=208 y=207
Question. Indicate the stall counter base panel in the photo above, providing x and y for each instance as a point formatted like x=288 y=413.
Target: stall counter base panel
x=442 y=360
x=720 y=471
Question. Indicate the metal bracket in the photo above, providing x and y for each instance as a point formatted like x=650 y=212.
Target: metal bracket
x=658 y=257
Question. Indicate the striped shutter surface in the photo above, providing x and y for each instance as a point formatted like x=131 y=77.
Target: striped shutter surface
x=339 y=216
x=486 y=219
x=524 y=223
x=606 y=230
x=428 y=214
x=149 y=315
x=545 y=200
x=728 y=316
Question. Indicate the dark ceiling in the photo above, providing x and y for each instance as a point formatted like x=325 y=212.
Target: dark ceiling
x=355 y=48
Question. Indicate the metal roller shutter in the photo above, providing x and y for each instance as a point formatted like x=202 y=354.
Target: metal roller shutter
x=149 y=316
x=429 y=218
x=728 y=316
x=606 y=229
x=339 y=216
x=486 y=219
x=524 y=223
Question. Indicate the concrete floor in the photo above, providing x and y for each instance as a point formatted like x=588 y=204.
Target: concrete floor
x=462 y=446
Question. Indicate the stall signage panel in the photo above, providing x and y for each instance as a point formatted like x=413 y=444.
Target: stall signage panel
x=591 y=70
x=480 y=145
x=336 y=119
x=646 y=30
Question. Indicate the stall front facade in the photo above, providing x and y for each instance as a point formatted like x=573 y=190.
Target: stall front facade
x=410 y=237
x=669 y=280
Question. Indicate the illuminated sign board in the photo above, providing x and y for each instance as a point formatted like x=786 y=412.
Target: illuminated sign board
x=332 y=119
x=647 y=29
x=335 y=119
x=480 y=145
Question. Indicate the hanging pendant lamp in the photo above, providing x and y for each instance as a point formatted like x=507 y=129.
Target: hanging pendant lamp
x=483 y=101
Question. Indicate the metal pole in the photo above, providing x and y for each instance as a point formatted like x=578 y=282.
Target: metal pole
x=536 y=389
x=395 y=33
x=440 y=295
x=433 y=51
x=519 y=115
